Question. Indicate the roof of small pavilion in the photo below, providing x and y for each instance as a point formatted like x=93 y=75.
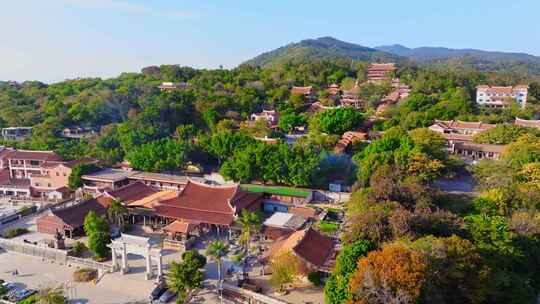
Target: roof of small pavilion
x=179 y=226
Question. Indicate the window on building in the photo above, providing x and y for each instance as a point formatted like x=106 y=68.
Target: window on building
x=57 y=174
x=49 y=185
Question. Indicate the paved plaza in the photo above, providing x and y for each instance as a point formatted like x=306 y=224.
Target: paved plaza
x=112 y=288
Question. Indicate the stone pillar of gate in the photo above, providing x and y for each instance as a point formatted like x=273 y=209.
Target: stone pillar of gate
x=149 y=272
x=125 y=267
x=114 y=261
x=159 y=266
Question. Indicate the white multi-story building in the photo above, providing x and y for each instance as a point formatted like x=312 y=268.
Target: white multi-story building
x=499 y=97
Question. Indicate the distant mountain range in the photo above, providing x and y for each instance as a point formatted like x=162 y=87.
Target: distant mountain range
x=331 y=48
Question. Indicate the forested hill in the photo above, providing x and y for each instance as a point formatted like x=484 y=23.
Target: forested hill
x=479 y=59
x=331 y=48
x=321 y=48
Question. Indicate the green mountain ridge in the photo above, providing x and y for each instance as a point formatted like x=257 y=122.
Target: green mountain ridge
x=324 y=48
x=329 y=48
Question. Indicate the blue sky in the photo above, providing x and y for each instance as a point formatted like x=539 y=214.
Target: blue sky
x=51 y=40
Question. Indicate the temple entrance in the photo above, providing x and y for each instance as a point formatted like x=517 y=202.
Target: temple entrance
x=138 y=245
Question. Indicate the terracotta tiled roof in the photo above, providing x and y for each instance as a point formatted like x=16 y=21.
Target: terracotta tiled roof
x=34 y=155
x=4 y=152
x=4 y=176
x=202 y=216
x=245 y=199
x=74 y=216
x=527 y=123
x=205 y=197
x=307 y=244
x=392 y=97
x=302 y=90
x=150 y=201
x=132 y=192
x=382 y=67
x=314 y=247
x=500 y=89
x=204 y=203
x=275 y=233
x=347 y=138
x=303 y=211
x=179 y=226
x=6 y=180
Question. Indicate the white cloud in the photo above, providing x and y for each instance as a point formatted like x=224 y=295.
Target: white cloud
x=128 y=7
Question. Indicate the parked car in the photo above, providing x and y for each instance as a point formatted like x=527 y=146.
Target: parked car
x=9 y=286
x=25 y=293
x=158 y=291
x=167 y=296
x=19 y=295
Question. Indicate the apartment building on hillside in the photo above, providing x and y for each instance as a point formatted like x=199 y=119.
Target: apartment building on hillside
x=501 y=97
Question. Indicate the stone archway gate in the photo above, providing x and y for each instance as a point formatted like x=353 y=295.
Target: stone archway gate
x=138 y=245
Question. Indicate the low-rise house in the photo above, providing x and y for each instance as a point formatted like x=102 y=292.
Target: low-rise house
x=317 y=107
x=500 y=97
x=270 y=116
x=172 y=86
x=351 y=98
x=403 y=89
x=333 y=90
x=451 y=139
x=79 y=132
x=273 y=202
x=527 y=123
x=267 y=140
x=310 y=95
x=69 y=221
x=474 y=152
x=105 y=179
x=161 y=181
x=315 y=251
x=15 y=133
x=460 y=127
x=281 y=224
x=349 y=137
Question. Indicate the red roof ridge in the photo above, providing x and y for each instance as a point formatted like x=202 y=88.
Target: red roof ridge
x=190 y=208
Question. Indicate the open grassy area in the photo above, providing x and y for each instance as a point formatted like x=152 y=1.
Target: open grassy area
x=276 y=190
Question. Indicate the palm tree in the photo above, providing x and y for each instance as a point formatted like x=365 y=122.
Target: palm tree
x=51 y=296
x=116 y=211
x=251 y=223
x=216 y=250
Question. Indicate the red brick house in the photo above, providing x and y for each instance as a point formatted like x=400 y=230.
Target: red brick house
x=69 y=221
x=316 y=251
